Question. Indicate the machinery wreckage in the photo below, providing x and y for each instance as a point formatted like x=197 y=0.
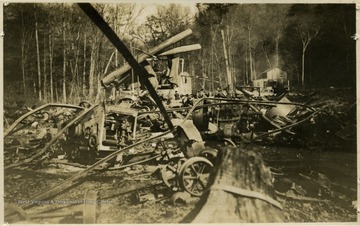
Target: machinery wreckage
x=182 y=141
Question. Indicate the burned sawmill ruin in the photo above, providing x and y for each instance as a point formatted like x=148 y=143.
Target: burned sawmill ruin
x=153 y=147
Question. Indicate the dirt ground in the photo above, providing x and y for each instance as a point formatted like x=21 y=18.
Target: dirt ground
x=311 y=186
x=316 y=183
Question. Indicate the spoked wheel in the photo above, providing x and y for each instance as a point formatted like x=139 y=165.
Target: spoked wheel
x=194 y=175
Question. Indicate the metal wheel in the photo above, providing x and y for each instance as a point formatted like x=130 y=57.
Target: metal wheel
x=210 y=154
x=194 y=175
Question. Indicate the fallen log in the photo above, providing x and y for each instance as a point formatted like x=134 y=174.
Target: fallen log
x=242 y=191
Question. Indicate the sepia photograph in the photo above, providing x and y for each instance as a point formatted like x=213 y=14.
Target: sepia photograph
x=179 y=112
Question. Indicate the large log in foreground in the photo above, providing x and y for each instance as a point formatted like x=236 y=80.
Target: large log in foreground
x=242 y=191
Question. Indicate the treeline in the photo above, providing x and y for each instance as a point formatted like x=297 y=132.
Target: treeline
x=53 y=52
x=40 y=41
x=312 y=43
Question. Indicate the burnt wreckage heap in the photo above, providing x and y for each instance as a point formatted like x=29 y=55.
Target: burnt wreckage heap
x=183 y=141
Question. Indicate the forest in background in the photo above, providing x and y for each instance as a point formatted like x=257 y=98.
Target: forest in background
x=53 y=52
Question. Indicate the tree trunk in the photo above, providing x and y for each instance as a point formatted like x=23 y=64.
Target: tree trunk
x=56 y=92
x=228 y=72
x=98 y=93
x=116 y=21
x=51 y=52
x=242 y=191
x=24 y=47
x=92 y=71
x=305 y=39
x=44 y=71
x=34 y=87
x=297 y=74
x=267 y=57
x=64 y=56
x=38 y=61
x=250 y=56
x=254 y=65
x=212 y=61
x=246 y=69
x=277 y=39
x=84 y=69
x=303 y=67
x=23 y=63
x=75 y=71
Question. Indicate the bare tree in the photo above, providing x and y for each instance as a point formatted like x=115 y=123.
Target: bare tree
x=248 y=19
x=38 y=59
x=83 y=80
x=306 y=36
x=26 y=35
x=169 y=20
x=307 y=24
x=51 y=56
x=64 y=55
x=228 y=72
x=45 y=69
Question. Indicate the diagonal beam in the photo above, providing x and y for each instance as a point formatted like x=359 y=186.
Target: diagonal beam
x=91 y=12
